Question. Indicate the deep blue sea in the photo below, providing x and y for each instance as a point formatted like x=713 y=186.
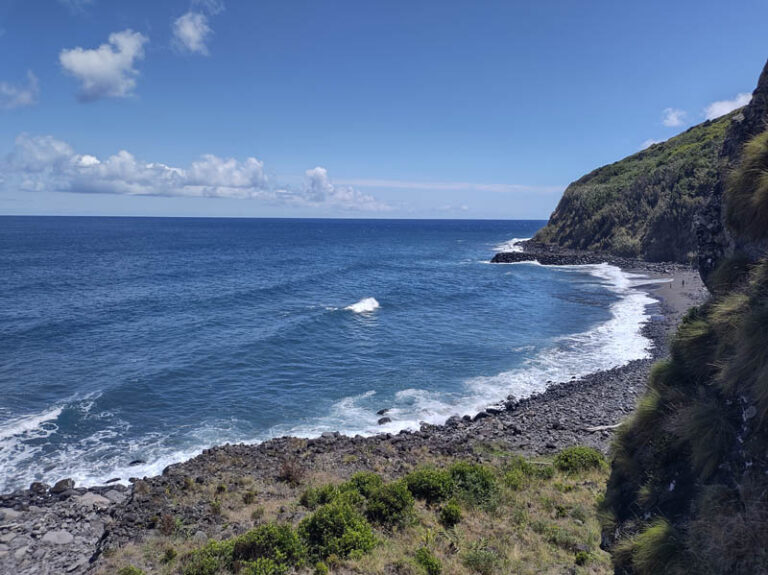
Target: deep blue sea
x=148 y=339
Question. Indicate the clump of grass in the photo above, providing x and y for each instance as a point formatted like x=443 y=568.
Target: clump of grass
x=130 y=570
x=747 y=190
x=579 y=459
x=292 y=472
x=480 y=558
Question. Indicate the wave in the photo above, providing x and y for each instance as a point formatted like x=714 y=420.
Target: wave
x=512 y=245
x=365 y=305
x=610 y=344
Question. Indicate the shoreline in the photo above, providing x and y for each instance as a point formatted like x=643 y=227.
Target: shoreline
x=81 y=523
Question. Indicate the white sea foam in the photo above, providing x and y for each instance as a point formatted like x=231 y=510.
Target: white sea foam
x=512 y=245
x=610 y=344
x=33 y=424
x=365 y=305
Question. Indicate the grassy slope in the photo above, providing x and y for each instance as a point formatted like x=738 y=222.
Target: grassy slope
x=690 y=472
x=532 y=523
x=644 y=204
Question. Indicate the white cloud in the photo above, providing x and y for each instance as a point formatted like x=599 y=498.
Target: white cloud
x=107 y=71
x=673 y=117
x=43 y=163
x=722 y=107
x=19 y=95
x=451 y=186
x=191 y=32
x=648 y=143
x=211 y=6
x=319 y=190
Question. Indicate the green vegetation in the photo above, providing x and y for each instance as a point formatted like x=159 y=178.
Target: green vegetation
x=428 y=561
x=578 y=459
x=643 y=205
x=430 y=484
x=747 y=190
x=689 y=464
x=449 y=516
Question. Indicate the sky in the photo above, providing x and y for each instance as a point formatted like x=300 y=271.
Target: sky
x=320 y=108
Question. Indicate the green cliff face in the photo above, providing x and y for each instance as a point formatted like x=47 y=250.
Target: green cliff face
x=643 y=205
x=688 y=491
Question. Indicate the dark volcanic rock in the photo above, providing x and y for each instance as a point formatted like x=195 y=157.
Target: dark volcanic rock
x=384 y=420
x=63 y=485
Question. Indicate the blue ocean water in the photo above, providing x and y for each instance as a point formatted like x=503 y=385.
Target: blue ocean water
x=127 y=339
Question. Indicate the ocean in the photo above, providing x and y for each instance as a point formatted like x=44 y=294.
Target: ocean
x=127 y=344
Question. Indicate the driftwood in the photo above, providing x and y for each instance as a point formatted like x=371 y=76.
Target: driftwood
x=601 y=427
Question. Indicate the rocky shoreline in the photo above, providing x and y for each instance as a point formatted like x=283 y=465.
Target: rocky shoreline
x=65 y=529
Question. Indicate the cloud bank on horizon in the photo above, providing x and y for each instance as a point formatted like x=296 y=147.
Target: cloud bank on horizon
x=44 y=163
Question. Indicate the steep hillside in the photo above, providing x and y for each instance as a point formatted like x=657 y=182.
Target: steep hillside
x=643 y=205
x=689 y=478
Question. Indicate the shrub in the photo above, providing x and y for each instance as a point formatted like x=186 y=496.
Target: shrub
x=430 y=484
x=249 y=497
x=450 y=514
x=364 y=482
x=321 y=568
x=428 y=561
x=479 y=558
x=291 y=472
x=130 y=570
x=169 y=554
x=390 y=505
x=579 y=459
x=474 y=483
x=582 y=558
x=314 y=497
x=280 y=543
x=211 y=559
x=263 y=566
x=336 y=528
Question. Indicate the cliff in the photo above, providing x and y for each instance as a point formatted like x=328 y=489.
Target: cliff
x=643 y=205
x=687 y=492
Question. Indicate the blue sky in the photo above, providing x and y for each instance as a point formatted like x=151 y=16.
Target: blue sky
x=350 y=108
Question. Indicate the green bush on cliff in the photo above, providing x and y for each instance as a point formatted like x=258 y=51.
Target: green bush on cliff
x=337 y=528
x=390 y=505
x=474 y=483
x=579 y=459
x=430 y=484
x=279 y=543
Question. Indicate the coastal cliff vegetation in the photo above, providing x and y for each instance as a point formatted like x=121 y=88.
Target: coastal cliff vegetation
x=687 y=492
x=507 y=514
x=644 y=205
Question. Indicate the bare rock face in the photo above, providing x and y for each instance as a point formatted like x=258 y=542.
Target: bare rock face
x=715 y=240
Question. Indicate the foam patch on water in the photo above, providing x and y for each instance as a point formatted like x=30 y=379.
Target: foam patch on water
x=365 y=305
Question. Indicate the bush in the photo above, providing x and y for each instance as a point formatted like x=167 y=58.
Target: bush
x=210 y=559
x=390 y=505
x=428 y=561
x=263 y=566
x=336 y=528
x=747 y=190
x=473 y=483
x=579 y=459
x=314 y=497
x=480 y=559
x=291 y=472
x=279 y=543
x=450 y=514
x=364 y=482
x=582 y=558
x=430 y=484
x=321 y=568
x=130 y=570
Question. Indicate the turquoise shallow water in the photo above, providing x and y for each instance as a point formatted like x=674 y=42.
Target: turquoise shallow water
x=149 y=339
